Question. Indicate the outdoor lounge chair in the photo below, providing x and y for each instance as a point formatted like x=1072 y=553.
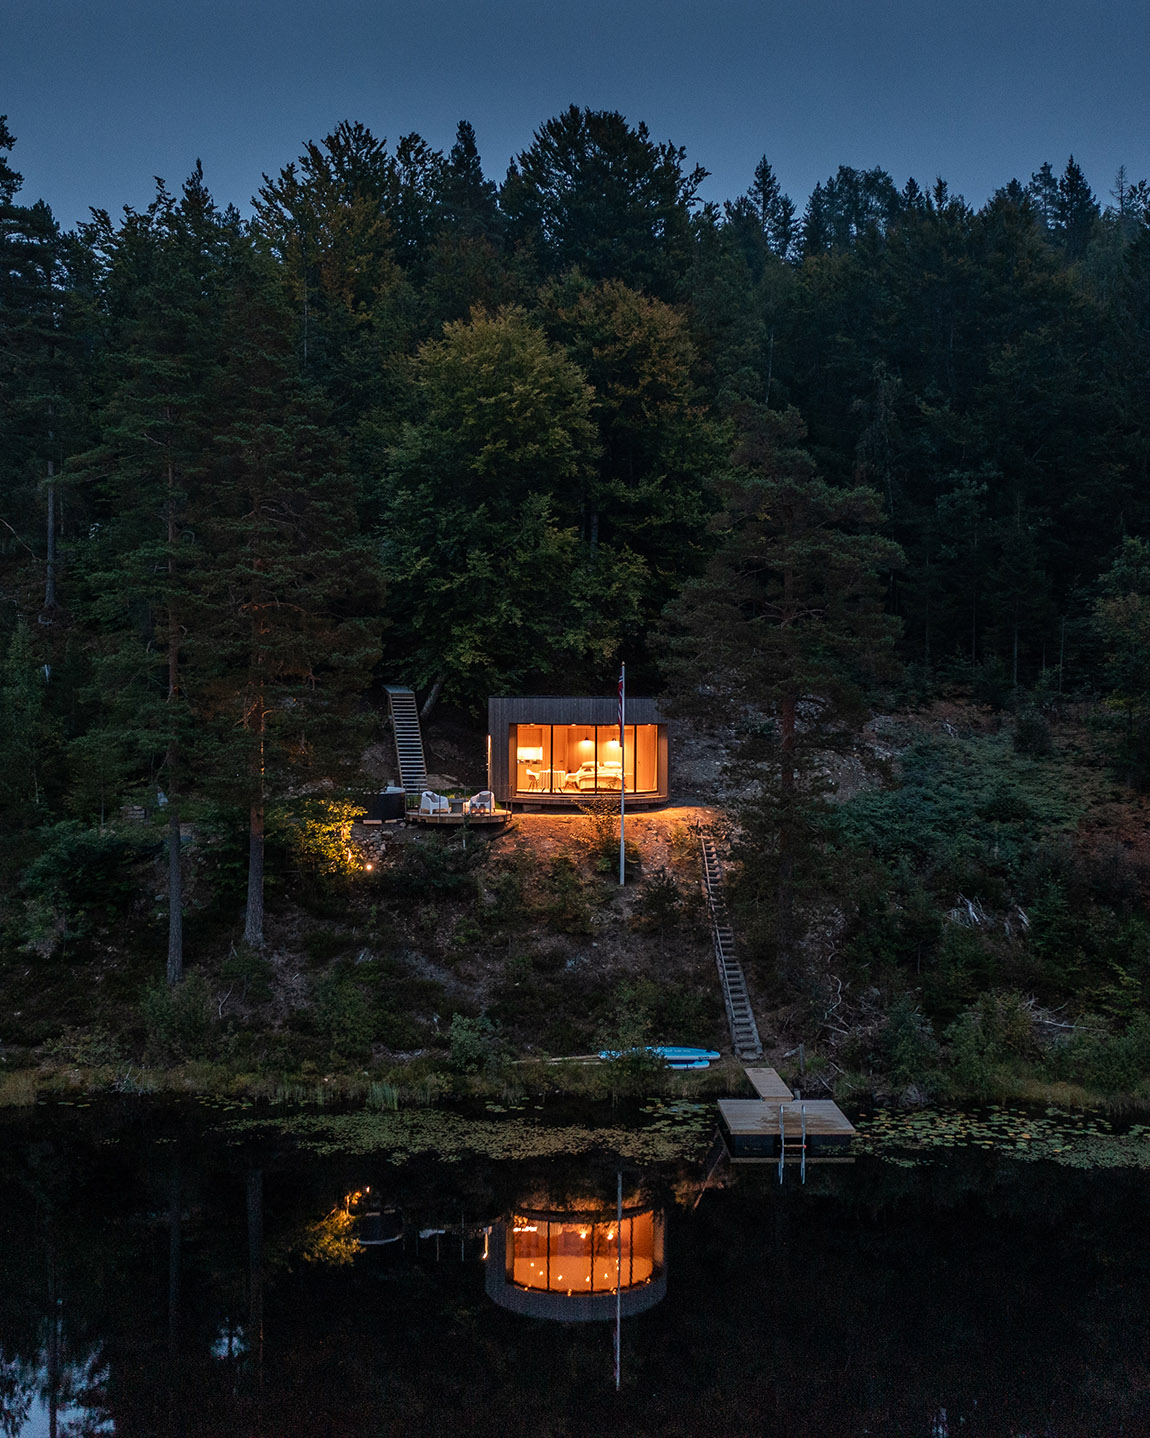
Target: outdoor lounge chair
x=481 y=803
x=430 y=803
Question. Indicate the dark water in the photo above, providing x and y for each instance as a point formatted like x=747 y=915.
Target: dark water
x=159 y=1276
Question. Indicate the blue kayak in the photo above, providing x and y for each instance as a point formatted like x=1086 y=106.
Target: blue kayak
x=676 y=1056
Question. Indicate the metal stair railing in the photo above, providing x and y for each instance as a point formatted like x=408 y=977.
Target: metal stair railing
x=408 y=739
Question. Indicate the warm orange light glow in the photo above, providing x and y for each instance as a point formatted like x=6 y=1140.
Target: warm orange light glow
x=557 y=1256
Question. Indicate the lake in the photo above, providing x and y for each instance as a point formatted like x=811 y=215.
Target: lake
x=201 y=1269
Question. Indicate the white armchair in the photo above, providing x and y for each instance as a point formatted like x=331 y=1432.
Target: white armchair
x=430 y=803
x=481 y=803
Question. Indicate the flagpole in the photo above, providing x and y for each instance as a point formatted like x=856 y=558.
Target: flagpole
x=622 y=769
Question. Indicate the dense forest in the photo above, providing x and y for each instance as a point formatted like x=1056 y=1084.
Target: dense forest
x=408 y=425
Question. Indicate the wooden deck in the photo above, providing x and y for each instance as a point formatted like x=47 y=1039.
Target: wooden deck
x=767 y=1084
x=756 y=1130
x=752 y=1116
x=500 y=816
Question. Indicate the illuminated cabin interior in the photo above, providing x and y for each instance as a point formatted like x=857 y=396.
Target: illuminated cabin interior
x=547 y=750
x=566 y=1265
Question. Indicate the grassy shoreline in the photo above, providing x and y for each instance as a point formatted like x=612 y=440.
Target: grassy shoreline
x=425 y=1083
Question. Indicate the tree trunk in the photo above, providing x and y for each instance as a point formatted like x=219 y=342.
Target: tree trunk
x=49 y=609
x=254 y=914
x=175 y=899
x=432 y=699
x=175 y=865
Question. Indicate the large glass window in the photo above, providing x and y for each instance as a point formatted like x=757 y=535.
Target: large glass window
x=584 y=1255
x=533 y=758
x=585 y=758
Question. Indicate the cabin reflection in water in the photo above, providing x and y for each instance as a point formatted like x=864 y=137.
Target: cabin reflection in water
x=566 y=1264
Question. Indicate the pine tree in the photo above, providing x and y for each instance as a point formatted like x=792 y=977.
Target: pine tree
x=38 y=390
x=595 y=193
x=165 y=275
x=281 y=634
x=1076 y=211
x=1043 y=191
x=786 y=625
x=467 y=199
x=774 y=209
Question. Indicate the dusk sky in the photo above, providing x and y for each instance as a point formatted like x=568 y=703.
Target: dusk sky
x=104 y=94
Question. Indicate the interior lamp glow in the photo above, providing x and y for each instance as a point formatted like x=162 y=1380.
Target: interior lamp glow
x=529 y=756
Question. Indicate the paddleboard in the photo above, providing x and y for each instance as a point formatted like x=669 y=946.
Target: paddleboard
x=677 y=1056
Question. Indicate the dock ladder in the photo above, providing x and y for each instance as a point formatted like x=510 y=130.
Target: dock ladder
x=408 y=739
x=802 y=1142
x=740 y=1016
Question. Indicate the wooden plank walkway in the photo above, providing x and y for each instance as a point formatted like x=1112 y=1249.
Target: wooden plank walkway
x=740 y=1016
x=767 y=1084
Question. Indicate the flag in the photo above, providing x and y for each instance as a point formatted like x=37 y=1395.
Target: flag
x=621 y=673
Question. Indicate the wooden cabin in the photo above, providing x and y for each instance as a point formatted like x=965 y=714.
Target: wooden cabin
x=547 y=750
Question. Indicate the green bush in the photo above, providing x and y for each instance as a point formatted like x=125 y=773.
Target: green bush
x=477 y=1045
x=178 y=1020
x=909 y=1043
x=80 y=881
x=997 y=1029
x=89 y=1047
x=659 y=904
x=250 y=971
x=432 y=868
x=317 y=836
x=344 y=1013
x=1032 y=734
x=565 y=903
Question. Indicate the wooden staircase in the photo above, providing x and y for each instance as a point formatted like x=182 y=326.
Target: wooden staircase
x=408 y=739
x=740 y=1017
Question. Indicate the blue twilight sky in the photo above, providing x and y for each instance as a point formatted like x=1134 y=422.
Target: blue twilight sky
x=104 y=94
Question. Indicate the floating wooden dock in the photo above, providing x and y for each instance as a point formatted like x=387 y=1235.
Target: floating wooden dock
x=779 y=1128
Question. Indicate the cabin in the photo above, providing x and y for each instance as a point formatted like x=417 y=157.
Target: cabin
x=577 y=1266
x=546 y=750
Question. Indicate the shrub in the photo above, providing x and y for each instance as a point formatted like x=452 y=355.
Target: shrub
x=566 y=902
x=909 y=1042
x=995 y=1029
x=317 y=835
x=1032 y=734
x=477 y=1045
x=80 y=880
x=177 y=1020
x=250 y=971
x=88 y=1047
x=343 y=1013
x=659 y=904
x=432 y=868
x=1113 y=1062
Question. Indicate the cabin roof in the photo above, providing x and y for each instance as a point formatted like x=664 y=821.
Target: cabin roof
x=568 y=709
